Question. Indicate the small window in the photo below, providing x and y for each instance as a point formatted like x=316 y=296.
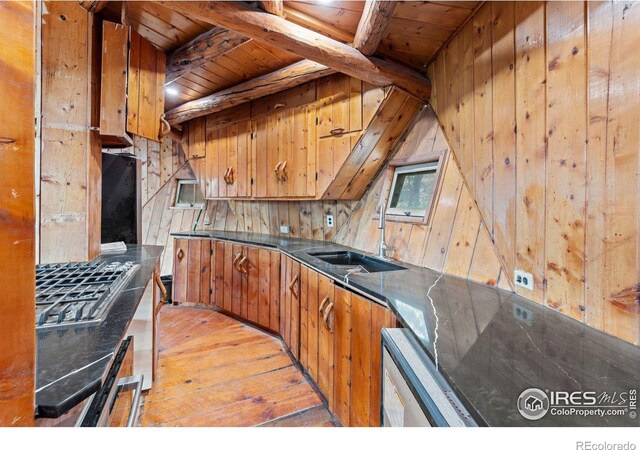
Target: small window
x=188 y=194
x=412 y=190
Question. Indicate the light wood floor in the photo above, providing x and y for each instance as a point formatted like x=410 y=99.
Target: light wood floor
x=216 y=371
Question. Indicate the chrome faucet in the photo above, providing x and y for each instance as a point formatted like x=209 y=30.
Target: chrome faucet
x=382 y=251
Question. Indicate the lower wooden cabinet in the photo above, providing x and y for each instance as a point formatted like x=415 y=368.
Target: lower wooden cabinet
x=290 y=289
x=243 y=280
x=335 y=334
x=340 y=347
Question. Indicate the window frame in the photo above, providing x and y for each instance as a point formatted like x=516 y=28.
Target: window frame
x=438 y=159
x=185 y=182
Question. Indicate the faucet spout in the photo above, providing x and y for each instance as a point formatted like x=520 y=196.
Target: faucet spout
x=382 y=251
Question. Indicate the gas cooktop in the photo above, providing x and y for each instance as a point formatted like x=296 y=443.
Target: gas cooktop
x=78 y=293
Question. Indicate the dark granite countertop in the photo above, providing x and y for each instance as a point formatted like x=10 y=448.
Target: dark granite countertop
x=72 y=361
x=480 y=339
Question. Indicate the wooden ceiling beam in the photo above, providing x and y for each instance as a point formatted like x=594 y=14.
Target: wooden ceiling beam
x=375 y=17
x=280 y=80
x=93 y=6
x=276 y=31
x=273 y=7
x=312 y=23
x=205 y=48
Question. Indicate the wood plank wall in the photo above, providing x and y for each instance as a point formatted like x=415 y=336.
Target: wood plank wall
x=456 y=240
x=306 y=219
x=17 y=212
x=70 y=160
x=540 y=104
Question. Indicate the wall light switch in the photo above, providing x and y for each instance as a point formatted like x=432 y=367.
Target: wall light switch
x=330 y=220
x=523 y=279
x=284 y=229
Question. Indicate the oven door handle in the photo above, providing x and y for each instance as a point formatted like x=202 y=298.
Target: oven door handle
x=132 y=383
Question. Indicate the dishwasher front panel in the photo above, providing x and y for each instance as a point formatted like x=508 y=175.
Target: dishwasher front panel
x=414 y=393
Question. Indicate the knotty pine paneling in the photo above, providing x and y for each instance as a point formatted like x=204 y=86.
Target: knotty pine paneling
x=456 y=240
x=554 y=160
x=17 y=210
x=70 y=162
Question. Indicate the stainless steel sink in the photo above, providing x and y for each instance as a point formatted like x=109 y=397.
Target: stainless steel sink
x=353 y=260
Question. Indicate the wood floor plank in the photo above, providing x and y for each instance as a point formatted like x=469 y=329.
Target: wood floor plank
x=216 y=371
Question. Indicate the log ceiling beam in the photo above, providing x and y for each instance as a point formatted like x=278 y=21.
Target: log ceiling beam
x=310 y=22
x=205 y=48
x=276 y=31
x=94 y=6
x=280 y=80
x=274 y=7
x=375 y=17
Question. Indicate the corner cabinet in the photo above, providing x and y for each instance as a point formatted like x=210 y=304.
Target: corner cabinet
x=131 y=86
x=239 y=279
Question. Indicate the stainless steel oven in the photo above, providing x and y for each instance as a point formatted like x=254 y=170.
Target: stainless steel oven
x=117 y=403
x=414 y=393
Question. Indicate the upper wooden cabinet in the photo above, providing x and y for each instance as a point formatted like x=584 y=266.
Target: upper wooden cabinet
x=147 y=66
x=295 y=153
x=284 y=151
x=339 y=105
x=113 y=85
x=132 y=86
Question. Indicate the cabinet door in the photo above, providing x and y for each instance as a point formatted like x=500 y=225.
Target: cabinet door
x=145 y=91
x=239 y=159
x=342 y=356
x=339 y=105
x=217 y=273
x=290 y=297
x=367 y=319
x=265 y=155
x=180 y=269
x=284 y=153
x=113 y=86
x=326 y=318
x=300 y=157
x=310 y=322
x=228 y=166
x=256 y=296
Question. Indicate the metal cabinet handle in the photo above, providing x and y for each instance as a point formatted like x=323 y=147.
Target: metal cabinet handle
x=283 y=174
x=240 y=267
x=325 y=317
x=294 y=281
x=132 y=383
x=279 y=105
x=326 y=299
x=277 y=170
x=180 y=254
x=337 y=130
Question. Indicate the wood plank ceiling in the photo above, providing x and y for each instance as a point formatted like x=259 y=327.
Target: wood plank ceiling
x=413 y=36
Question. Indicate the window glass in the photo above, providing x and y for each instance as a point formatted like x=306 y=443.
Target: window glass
x=412 y=190
x=188 y=194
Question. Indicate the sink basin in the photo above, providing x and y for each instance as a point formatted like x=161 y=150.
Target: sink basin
x=349 y=260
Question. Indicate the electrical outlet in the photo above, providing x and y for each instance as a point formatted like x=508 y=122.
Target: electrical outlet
x=284 y=229
x=330 y=220
x=523 y=279
x=522 y=314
